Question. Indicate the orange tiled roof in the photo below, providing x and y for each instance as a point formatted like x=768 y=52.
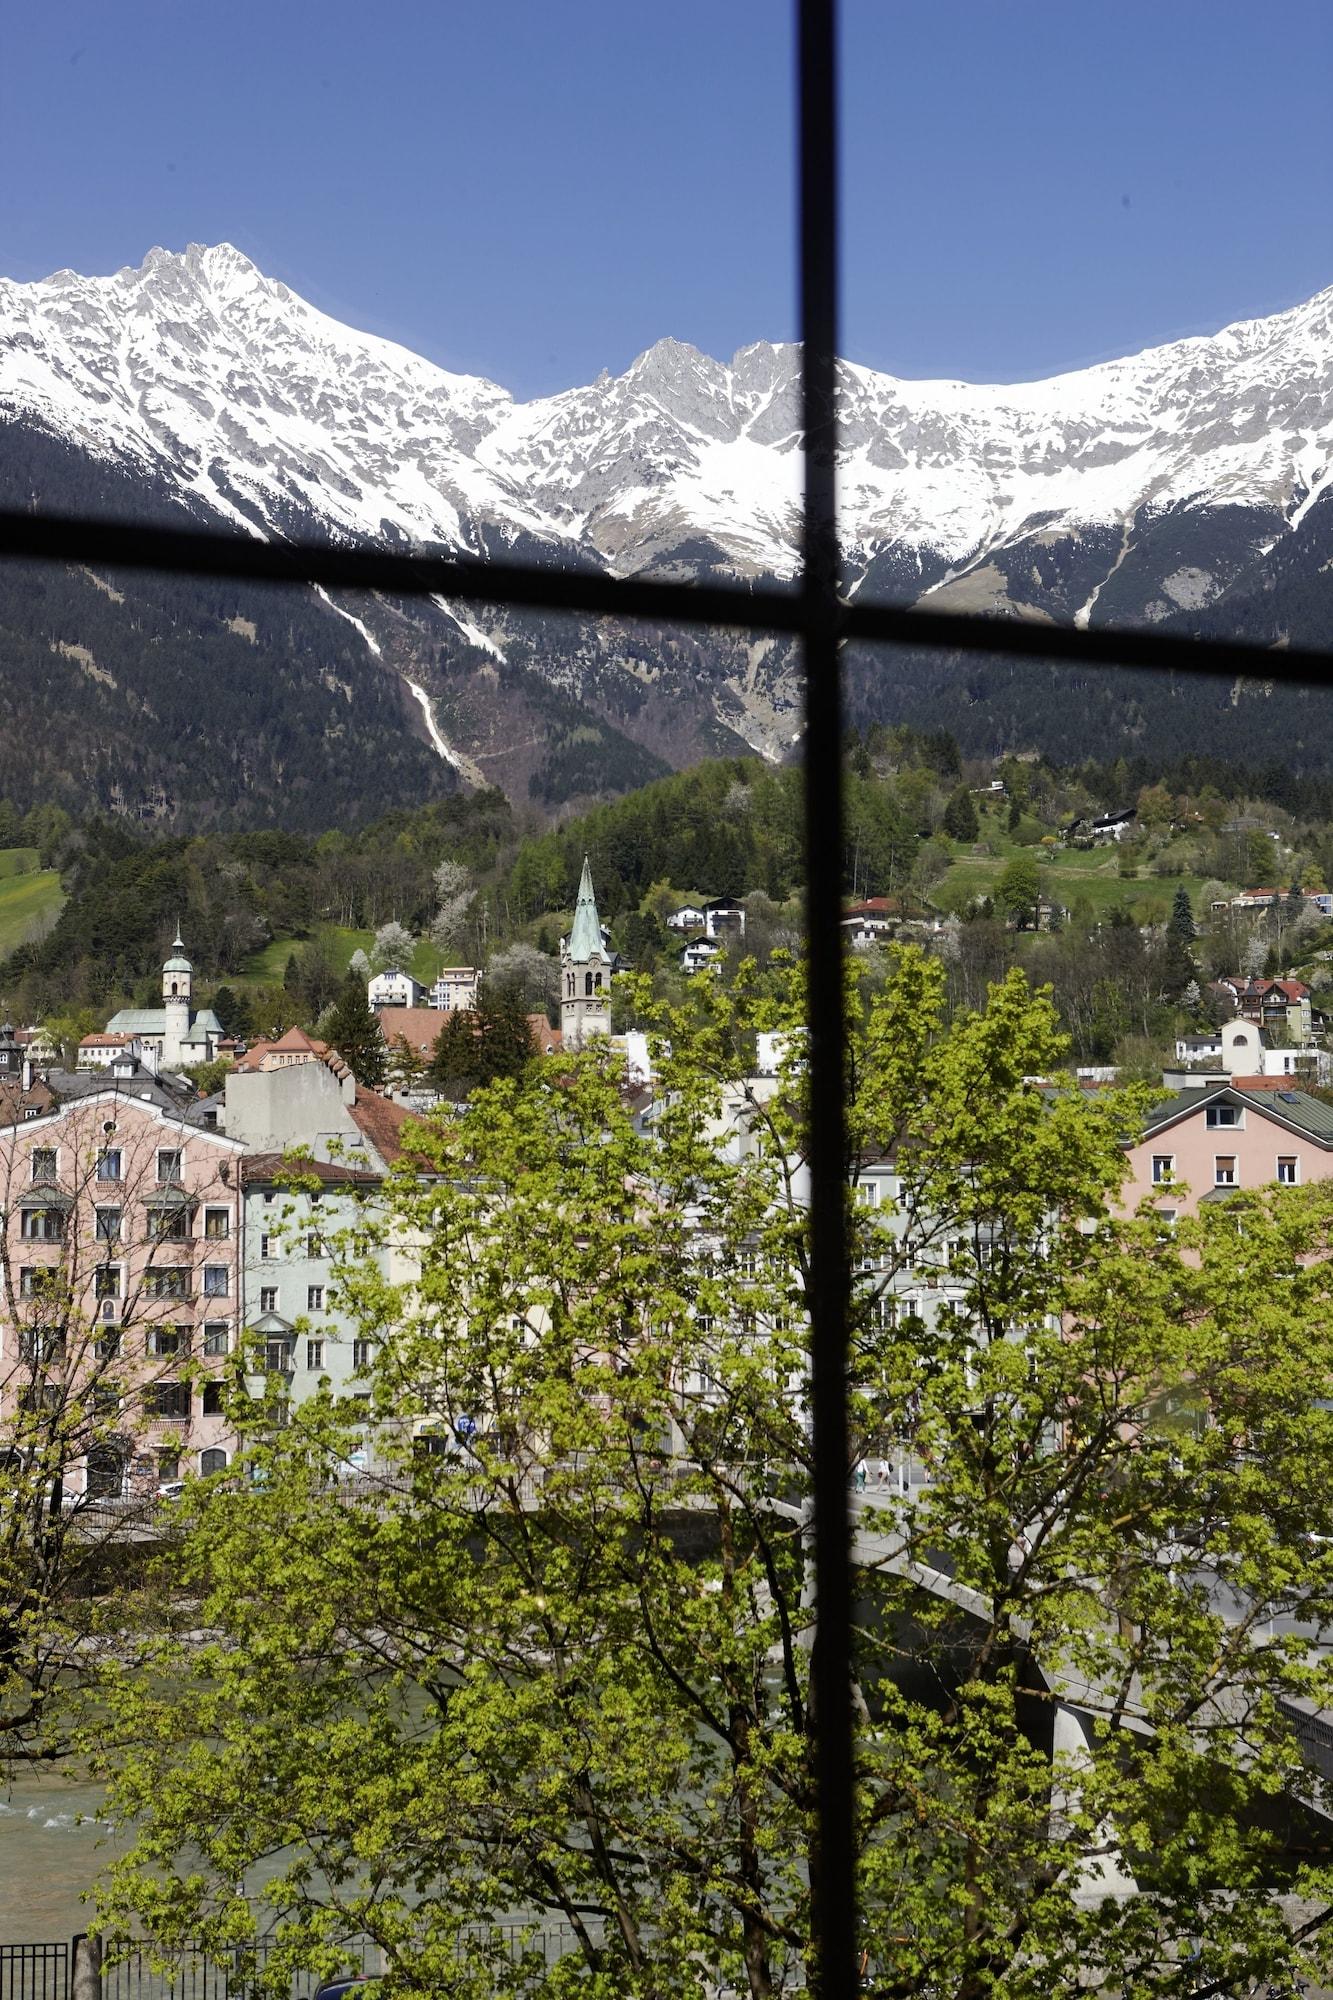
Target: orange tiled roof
x=381 y=1121
x=419 y=1026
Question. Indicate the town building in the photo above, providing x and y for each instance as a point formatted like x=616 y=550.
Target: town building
x=316 y=1107
x=1241 y=1048
x=174 y=1036
x=417 y=1027
x=288 y=1052
x=119 y=1285
x=690 y=918
x=454 y=989
x=1210 y=1139
x=100 y=1051
x=587 y=963
x=304 y=1219
x=394 y=989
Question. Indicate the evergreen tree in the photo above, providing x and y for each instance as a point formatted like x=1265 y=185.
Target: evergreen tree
x=355 y=1033
x=1181 y=929
x=504 y=1033
x=453 y=1063
x=231 y=1011
x=960 y=816
x=1179 y=970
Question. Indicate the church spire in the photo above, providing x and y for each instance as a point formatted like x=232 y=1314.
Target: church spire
x=585 y=938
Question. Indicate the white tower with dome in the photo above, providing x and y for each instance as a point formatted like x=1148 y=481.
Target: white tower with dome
x=177 y=980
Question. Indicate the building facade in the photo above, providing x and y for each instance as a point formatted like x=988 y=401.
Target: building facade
x=120 y=1288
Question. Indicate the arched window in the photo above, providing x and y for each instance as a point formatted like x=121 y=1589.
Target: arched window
x=173 y=989
x=213 y=1460
x=598 y=982
x=587 y=984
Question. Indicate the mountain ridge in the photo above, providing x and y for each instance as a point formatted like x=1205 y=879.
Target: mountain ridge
x=1186 y=485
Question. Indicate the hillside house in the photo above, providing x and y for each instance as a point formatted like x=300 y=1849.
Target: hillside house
x=872 y=921
x=454 y=989
x=690 y=918
x=724 y=917
x=700 y=955
x=394 y=989
x=1282 y=1006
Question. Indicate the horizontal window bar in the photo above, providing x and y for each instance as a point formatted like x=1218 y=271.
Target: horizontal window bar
x=52 y=538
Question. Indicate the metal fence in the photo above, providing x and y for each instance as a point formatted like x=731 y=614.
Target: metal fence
x=46 y=1971
x=34 y=1971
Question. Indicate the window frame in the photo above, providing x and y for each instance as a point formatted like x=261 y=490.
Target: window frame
x=812 y=610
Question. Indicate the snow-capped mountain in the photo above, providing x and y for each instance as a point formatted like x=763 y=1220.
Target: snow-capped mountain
x=1182 y=483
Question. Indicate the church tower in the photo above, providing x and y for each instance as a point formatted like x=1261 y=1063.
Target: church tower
x=177 y=974
x=586 y=965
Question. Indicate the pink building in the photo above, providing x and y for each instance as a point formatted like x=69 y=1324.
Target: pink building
x=119 y=1290
x=1209 y=1140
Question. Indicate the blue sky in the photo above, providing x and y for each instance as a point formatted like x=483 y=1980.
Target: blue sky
x=537 y=189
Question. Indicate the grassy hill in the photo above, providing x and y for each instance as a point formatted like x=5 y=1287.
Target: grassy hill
x=267 y=967
x=30 y=897
x=1087 y=880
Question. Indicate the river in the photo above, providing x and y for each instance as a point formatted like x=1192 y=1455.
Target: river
x=50 y=1851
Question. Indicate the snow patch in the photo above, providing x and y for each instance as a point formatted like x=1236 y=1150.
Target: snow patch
x=471 y=632
x=463 y=765
x=369 y=637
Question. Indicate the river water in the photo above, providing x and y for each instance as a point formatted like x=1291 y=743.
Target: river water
x=50 y=1851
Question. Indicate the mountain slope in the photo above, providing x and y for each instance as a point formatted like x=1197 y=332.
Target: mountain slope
x=1187 y=484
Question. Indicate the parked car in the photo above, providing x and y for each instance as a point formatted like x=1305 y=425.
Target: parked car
x=336 y=1989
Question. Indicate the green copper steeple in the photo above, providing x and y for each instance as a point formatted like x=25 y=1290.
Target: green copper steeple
x=586 y=936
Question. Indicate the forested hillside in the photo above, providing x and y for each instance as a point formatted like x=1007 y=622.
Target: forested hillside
x=271 y=918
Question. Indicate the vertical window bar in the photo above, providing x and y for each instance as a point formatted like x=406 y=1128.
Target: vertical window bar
x=832 y=1863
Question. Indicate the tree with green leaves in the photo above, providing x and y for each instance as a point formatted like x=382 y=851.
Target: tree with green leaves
x=353 y=1030
x=1018 y=891
x=960 y=820
x=555 y=1661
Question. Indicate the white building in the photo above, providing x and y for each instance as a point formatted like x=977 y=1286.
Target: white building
x=724 y=917
x=1242 y=1048
x=455 y=989
x=691 y=918
x=700 y=954
x=394 y=989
